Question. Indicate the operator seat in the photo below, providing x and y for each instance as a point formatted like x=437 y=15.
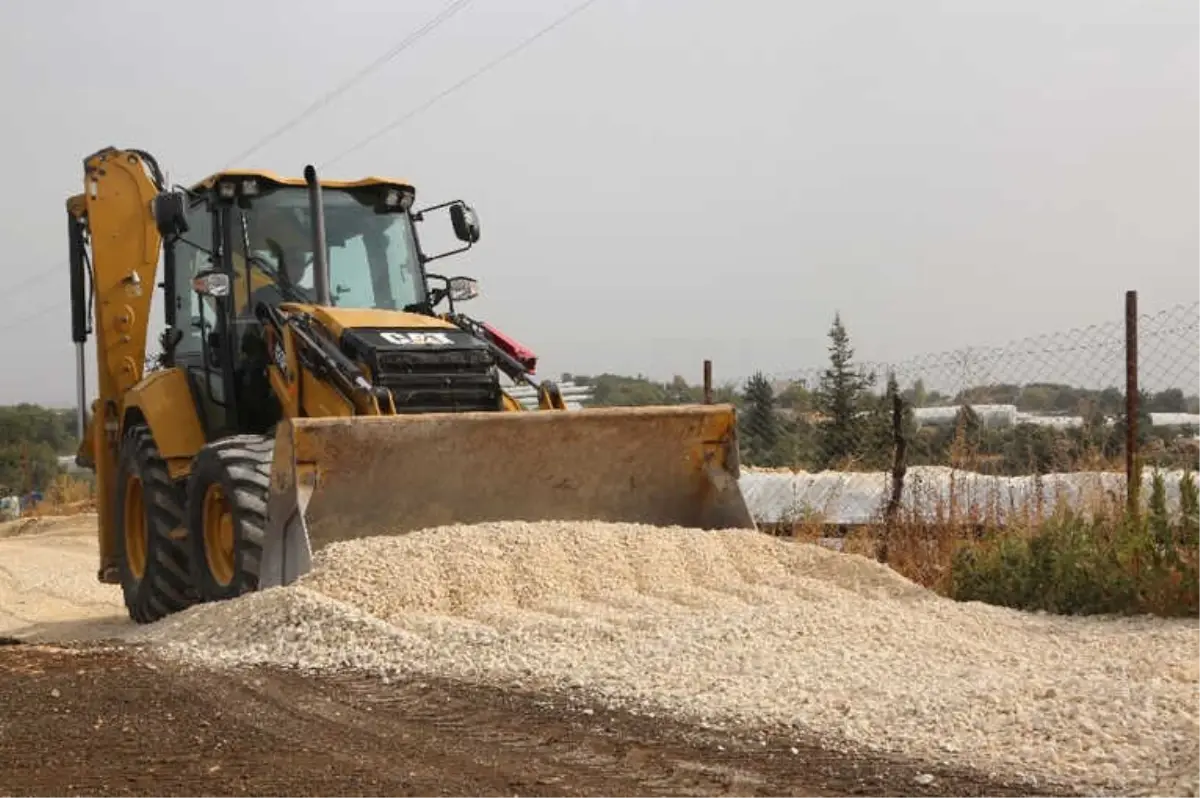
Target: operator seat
x=260 y=407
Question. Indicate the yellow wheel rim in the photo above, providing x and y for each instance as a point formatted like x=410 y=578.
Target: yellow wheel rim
x=135 y=527
x=218 y=535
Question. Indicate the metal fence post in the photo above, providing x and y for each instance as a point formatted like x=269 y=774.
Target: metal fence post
x=1133 y=476
x=708 y=392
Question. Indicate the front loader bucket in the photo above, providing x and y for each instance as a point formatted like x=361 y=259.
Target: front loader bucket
x=342 y=478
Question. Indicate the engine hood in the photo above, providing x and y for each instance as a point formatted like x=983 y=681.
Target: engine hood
x=338 y=320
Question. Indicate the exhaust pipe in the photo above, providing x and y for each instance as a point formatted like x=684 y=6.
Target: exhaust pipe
x=320 y=260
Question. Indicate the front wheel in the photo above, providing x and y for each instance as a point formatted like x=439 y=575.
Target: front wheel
x=152 y=557
x=227 y=514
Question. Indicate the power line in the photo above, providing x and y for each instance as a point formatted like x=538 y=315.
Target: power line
x=495 y=62
x=40 y=277
x=445 y=14
x=10 y=323
x=328 y=97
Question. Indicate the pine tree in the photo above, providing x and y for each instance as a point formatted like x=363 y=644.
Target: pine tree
x=839 y=397
x=760 y=429
x=879 y=435
x=967 y=437
x=919 y=396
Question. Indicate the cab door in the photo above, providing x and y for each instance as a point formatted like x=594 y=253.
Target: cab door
x=197 y=321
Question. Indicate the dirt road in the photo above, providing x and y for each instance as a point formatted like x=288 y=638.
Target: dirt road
x=85 y=713
x=48 y=586
x=118 y=721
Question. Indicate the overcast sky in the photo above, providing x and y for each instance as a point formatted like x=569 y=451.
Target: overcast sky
x=665 y=180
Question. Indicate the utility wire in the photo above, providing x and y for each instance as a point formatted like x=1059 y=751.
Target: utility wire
x=11 y=323
x=495 y=62
x=35 y=279
x=446 y=13
x=414 y=37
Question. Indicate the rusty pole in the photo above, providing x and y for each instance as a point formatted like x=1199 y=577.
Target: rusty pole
x=1133 y=477
x=26 y=476
x=708 y=397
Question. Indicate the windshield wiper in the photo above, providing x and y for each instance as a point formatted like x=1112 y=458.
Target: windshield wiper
x=285 y=286
x=276 y=275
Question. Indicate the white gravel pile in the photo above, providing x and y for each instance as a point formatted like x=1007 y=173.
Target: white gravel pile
x=734 y=628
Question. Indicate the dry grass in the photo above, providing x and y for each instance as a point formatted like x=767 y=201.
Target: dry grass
x=66 y=495
x=1087 y=554
x=1041 y=549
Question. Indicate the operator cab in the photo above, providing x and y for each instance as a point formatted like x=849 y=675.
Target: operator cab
x=240 y=239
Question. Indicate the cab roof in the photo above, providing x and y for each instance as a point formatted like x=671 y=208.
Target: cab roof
x=280 y=180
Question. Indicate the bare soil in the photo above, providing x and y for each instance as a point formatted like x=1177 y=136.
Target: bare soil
x=96 y=719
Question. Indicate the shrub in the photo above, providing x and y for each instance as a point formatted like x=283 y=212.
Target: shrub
x=1108 y=561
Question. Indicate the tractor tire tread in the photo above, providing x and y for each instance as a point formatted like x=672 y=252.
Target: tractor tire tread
x=243 y=463
x=166 y=586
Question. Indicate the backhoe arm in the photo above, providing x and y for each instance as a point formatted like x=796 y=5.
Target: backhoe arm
x=111 y=292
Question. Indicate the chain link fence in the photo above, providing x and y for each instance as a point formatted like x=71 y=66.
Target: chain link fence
x=1043 y=416
x=1049 y=403
x=998 y=429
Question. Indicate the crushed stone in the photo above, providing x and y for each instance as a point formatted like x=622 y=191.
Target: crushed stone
x=733 y=628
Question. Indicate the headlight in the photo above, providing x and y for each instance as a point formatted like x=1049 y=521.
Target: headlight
x=397 y=199
x=242 y=188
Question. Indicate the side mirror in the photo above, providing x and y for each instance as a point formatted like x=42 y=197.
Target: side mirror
x=211 y=283
x=466 y=223
x=462 y=289
x=169 y=214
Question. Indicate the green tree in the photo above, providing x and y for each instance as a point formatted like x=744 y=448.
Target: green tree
x=1034 y=449
x=797 y=397
x=25 y=467
x=31 y=437
x=1116 y=438
x=680 y=393
x=1171 y=400
x=879 y=439
x=759 y=425
x=917 y=395
x=839 y=398
x=612 y=390
x=29 y=423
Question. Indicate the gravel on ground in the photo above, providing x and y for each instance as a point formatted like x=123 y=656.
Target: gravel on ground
x=734 y=629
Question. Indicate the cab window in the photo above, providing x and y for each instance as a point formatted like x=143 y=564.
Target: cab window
x=192 y=257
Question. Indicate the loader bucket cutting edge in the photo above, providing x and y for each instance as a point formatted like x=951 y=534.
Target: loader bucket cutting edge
x=343 y=478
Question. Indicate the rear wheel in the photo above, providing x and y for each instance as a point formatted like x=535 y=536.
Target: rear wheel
x=227 y=514
x=152 y=553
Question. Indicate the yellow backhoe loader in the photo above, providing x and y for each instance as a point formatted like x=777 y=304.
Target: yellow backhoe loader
x=309 y=390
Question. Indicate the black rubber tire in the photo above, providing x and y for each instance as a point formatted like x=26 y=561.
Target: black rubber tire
x=242 y=466
x=165 y=586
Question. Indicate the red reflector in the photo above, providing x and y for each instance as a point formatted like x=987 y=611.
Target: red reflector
x=525 y=357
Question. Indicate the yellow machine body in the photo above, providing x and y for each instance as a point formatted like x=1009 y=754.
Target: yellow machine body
x=192 y=509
